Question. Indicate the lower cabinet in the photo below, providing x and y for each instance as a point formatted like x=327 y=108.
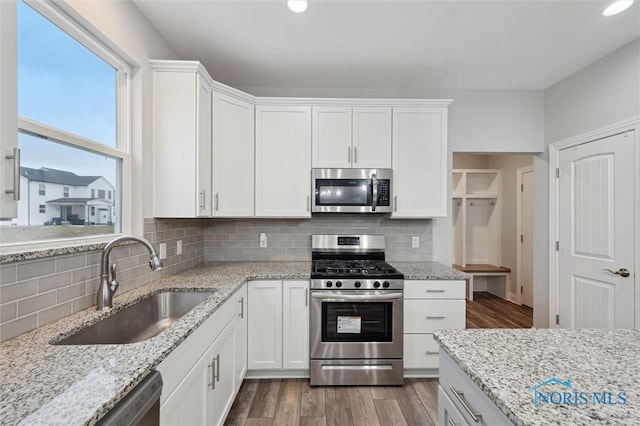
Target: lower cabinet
x=203 y=375
x=278 y=328
x=429 y=305
x=461 y=401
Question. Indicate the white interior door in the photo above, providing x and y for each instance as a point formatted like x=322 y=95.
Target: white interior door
x=596 y=232
x=525 y=271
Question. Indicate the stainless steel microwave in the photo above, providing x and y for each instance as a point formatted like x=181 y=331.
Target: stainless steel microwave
x=351 y=190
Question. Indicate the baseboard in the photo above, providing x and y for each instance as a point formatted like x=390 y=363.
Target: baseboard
x=415 y=373
x=277 y=374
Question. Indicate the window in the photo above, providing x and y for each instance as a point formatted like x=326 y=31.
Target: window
x=93 y=193
x=101 y=193
x=73 y=122
x=43 y=208
x=93 y=211
x=108 y=195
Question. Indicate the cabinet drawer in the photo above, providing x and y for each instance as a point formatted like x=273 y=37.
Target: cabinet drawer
x=426 y=316
x=453 y=378
x=434 y=289
x=448 y=414
x=420 y=351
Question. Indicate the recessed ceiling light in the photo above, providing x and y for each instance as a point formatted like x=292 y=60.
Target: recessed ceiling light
x=297 y=6
x=617 y=7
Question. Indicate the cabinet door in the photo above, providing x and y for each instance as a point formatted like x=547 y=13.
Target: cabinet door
x=222 y=355
x=283 y=161
x=190 y=404
x=265 y=325
x=331 y=140
x=295 y=325
x=241 y=336
x=203 y=155
x=181 y=144
x=233 y=157
x=419 y=162
x=372 y=137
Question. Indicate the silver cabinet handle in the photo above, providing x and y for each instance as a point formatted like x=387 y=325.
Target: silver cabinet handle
x=217 y=368
x=308 y=203
x=15 y=190
x=241 y=301
x=217 y=200
x=436 y=317
x=306 y=297
x=451 y=423
x=432 y=353
x=435 y=291
x=212 y=366
x=395 y=203
x=202 y=198
x=460 y=397
x=349 y=154
x=623 y=272
x=355 y=154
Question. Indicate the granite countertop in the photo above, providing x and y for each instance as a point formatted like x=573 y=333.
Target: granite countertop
x=43 y=383
x=428 y=271
x=74 y=385
x=507 y=364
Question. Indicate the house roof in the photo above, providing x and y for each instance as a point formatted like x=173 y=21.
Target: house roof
x=62 y=177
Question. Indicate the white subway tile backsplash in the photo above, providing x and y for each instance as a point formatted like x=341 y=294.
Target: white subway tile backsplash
x=18 y=290
x=8 y=311
x=36 y=303
x=52 y=282
x=8 y=274
x=36 y=269
x=11 y=329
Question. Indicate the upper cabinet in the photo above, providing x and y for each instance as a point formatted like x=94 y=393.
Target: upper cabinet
x=233 y=156
x=283 y=161
x=181 y=117
x=420 y=162
x=351 y=137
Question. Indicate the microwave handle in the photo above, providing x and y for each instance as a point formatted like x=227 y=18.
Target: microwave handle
x=374 y=182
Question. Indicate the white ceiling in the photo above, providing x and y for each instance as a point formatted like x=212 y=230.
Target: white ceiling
x=393 y=44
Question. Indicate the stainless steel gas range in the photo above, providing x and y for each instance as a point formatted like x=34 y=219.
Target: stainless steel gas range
x=355 y=313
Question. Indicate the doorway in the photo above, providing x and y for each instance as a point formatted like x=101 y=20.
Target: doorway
x=524 y=272
x=487 y=227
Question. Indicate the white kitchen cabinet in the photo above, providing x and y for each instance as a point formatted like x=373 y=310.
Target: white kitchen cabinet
x=429 y=305
x=278 y=326
x=9 y=154
x=460 y=399
x=420 y=170
x=202 y=376
x=346 y=137
x=233 y=156
x=283 y=161
x=181 y=117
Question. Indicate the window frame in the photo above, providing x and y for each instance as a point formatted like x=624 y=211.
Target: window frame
x=121 y=152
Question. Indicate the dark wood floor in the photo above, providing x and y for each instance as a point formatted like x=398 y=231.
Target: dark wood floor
x=294 y=402
x=489 y=311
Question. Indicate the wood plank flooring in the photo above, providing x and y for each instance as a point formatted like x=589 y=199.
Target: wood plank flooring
x=293 y=402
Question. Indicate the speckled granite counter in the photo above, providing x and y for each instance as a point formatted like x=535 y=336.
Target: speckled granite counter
x=72 y=385
x=507 y=364
x=428 y=271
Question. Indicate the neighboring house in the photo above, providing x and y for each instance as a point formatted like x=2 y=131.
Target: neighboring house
x=50 y=196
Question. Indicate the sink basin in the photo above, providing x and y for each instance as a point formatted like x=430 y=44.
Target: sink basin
x=140 y=321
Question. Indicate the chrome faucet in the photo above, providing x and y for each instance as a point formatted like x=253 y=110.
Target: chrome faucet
x=108 y=282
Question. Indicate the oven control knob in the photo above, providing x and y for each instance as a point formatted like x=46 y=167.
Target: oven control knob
x=376 y=284
x=338 y=283
x=329 y=283
x=385 y=284
x=357 y=284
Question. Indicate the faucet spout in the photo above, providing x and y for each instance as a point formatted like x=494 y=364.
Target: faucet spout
x=108 y=283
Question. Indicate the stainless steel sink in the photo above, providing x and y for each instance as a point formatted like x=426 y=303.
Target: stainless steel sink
x=140 y=321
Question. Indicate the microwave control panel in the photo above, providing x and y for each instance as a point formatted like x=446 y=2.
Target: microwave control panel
x=384 y=191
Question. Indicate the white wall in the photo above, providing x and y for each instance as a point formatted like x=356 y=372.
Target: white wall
x=123 y=28
x=604 y=93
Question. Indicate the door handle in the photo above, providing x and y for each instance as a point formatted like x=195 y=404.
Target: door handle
x=623 y=272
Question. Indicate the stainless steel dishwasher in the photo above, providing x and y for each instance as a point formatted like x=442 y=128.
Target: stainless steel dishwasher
x=140 y=407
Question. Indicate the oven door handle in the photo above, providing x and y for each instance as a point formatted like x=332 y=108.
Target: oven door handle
x=339 y=297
